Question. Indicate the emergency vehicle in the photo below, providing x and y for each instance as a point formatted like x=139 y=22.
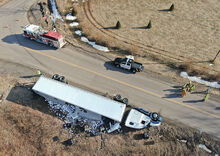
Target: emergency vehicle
x=37 y=33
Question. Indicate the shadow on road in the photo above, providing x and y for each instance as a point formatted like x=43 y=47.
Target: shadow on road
x=217 y=108
x=193 y=101
x=29 y=76
x=109 y=66
x=25 y=42
x=174 y=93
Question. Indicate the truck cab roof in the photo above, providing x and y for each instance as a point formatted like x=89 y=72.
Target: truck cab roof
x=130 y=57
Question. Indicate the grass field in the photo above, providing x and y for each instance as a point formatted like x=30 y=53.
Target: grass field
x=189 y=35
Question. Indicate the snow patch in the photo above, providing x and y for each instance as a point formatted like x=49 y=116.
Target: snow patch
x=78 y=32
x=94 y=45
x=205 y=148
x=56 y=14
x=101 y=48
x=74 y=24
x=199 y=80
x=70 y=17
x=84 y=39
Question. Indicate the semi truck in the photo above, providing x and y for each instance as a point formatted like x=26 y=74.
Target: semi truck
x=37 y=33
x=93 y=112
x=129 y=64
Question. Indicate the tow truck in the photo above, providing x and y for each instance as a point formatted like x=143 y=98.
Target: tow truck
x=37 y=33
x=129 y=64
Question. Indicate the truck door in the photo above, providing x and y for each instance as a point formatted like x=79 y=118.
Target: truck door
x=126 y=65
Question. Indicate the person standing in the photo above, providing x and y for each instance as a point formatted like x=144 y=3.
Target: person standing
x=184 y=92
x=39 y=72
x=207 y=94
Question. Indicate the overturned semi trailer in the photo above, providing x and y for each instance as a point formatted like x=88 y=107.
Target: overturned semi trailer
x=87 y=105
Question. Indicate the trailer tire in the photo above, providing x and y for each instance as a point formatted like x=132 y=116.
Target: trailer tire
x=125 y=101
x=62 y=79
x=55 y=77
x=117 y=97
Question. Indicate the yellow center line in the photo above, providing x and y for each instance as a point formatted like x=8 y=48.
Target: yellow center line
x=124 y=83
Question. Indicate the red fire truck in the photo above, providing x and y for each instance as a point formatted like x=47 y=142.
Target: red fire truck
x=38 y=34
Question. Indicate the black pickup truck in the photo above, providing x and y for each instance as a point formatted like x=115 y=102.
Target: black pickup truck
x=129 y=64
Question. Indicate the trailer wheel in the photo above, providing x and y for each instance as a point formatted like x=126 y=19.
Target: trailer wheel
x=62 y=79
x=55 y=77
x=125 y=101
x=117 y=97
x=117 y=65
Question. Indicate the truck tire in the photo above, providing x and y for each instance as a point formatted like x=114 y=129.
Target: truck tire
x=117 y=97
x=133 y=71
x=154 y=116
x=62 y=79
x=125 y=101
x=55 y=77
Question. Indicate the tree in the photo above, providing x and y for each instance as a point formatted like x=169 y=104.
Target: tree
x=171 y=7
x=149 y=25
x=118 y=25
x=74 y=12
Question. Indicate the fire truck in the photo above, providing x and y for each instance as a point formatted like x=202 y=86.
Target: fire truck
x=37 y=33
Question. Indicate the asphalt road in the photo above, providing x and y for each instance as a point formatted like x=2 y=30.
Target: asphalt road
x=92 y=69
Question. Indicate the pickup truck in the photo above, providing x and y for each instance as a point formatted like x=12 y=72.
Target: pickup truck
x=129 y=64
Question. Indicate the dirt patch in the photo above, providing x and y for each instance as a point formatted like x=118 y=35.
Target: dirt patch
x=2 y=2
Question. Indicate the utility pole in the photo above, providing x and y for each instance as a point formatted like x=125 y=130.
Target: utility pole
x=216 y=56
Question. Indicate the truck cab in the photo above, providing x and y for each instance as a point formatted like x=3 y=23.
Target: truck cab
x=125 y=63
x=128 y=63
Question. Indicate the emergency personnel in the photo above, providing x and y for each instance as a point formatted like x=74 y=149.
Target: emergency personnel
x=39 y=72
x=184 y=92
x=207 y=94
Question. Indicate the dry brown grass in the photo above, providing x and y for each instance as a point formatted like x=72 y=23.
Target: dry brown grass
x=168 y=30
x=218 y=76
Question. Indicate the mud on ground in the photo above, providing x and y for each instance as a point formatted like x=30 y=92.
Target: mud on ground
x=28 y=127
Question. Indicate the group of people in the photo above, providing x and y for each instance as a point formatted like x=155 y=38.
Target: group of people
x=189 y=87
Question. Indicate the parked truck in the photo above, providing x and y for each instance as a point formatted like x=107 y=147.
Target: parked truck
x=37 y=33
x=129 y=64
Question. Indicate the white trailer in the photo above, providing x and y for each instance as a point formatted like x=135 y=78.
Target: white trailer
x=60 y=92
